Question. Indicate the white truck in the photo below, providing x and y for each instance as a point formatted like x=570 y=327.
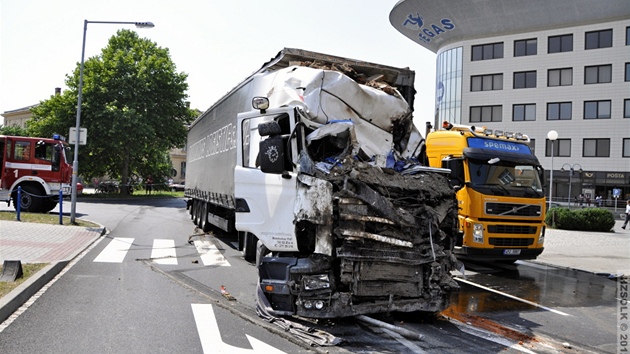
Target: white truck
x=312 y=163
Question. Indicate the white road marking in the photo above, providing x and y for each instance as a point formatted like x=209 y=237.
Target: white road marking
x=209 y=254
x=210 y=337
x=164 y=252
x=512 y=297
x=116 y=250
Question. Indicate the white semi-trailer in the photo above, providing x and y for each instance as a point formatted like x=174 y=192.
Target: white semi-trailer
x=313 y=163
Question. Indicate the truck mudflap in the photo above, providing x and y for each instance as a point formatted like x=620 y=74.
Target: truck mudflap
x=392 y=242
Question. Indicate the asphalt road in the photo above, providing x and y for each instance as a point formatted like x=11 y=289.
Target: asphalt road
x=123 y=305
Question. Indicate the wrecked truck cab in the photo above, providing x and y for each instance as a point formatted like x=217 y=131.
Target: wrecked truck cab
x=371 y=240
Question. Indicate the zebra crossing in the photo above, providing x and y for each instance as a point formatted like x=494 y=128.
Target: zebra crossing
x=163 y=252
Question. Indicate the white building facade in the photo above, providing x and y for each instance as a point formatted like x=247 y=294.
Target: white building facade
x=533 y=67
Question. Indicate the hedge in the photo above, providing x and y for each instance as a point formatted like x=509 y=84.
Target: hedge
x=587 y=219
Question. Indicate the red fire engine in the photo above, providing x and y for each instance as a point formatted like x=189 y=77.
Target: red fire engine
x=40 y=166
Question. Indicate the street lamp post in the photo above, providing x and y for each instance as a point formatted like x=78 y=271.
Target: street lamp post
x=552 y=136
x=571 y=169
x=75 y=162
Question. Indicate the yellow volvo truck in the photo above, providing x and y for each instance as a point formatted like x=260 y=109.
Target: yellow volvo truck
x=499 y=191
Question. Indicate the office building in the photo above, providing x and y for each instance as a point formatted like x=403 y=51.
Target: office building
x=533 y=67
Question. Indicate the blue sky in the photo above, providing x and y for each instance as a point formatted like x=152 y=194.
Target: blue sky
x=217 y=43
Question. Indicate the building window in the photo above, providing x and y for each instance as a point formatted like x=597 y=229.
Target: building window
x=558 y=44
x=448 y=91
x=596 y=148
x=627 y=35
x=627 y=72
x=525 y=79
x=559 y=111
x=532 y=145
x=598 y=74
x=626 y=147
x=561 y=147
x=486 y=114
x=524 y=112
x=626 y=108
x=560 y=77
x=597 y=109
x=486 y=82
x=487 y=51
x=598 y=39
x=525 y=47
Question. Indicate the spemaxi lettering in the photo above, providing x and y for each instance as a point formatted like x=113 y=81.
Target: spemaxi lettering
x=501 y=146
x=219 y=141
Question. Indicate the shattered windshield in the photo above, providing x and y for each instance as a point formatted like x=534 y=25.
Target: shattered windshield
x=497 y=177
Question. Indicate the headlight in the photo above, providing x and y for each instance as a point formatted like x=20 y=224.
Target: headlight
x=478 y=233
x=541 y=237
x=314 y=282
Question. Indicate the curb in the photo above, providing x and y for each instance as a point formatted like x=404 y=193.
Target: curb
x=12 y=301
x=18 y=296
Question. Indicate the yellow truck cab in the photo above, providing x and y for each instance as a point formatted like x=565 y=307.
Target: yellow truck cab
x=499 y=191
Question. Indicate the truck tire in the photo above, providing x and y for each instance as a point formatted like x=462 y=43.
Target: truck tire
x=205 y=225
x=195 y=212
x=30 y=200
x=49 y=204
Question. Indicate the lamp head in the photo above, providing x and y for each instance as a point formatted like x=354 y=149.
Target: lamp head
x=552 y=135
x=144 y=24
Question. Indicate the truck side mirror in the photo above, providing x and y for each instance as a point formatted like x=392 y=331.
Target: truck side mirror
x=271 y=150
x=56 y=162
x=456 y=166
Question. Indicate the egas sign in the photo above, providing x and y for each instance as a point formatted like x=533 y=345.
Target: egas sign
x=417 y=23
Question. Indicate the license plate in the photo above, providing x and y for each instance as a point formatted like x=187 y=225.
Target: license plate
x=511 y=252
x=66 y=190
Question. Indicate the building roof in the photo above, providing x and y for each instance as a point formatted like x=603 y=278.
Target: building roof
x=26 y=109
x=435 y=24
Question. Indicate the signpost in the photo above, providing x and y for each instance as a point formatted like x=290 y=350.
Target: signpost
x=616 y=195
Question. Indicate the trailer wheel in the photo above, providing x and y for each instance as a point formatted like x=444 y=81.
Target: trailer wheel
x=205 y=225
x=195 y=212
x=30 y=199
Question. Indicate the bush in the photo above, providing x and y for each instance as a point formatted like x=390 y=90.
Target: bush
x=588 y=219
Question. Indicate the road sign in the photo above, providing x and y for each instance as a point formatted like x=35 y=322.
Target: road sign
x=616 y=192
x=72 y=137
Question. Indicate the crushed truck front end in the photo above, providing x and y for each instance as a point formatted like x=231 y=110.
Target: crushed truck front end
x=384 y=244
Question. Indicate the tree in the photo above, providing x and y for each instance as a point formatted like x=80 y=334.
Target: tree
x=13 y=130
x=133 y=107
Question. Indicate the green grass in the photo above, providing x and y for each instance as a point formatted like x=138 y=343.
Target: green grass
x=136 y=195
x=27 y=270
x=51 y=219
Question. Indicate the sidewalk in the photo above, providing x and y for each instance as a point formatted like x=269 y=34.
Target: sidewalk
x=596 y=252
x=28 y=242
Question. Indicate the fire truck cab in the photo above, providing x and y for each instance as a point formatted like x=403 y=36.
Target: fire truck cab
x=41 y=166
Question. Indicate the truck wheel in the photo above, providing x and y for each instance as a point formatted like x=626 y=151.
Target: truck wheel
x=49 y=205
x=30 y=200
